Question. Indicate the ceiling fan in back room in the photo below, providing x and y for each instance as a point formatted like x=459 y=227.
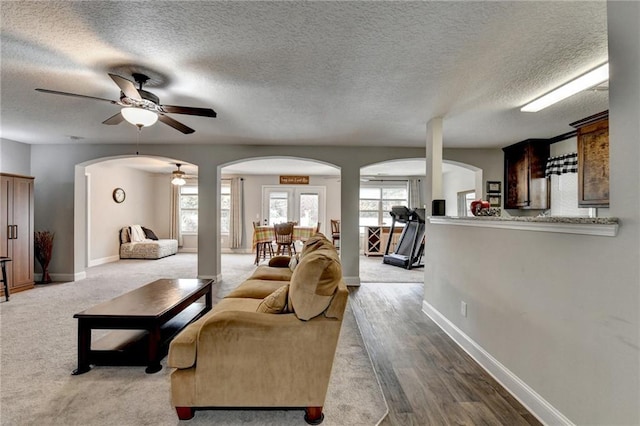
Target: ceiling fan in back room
x=140 y=107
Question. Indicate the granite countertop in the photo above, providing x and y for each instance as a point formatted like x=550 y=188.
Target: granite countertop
x=542 y=219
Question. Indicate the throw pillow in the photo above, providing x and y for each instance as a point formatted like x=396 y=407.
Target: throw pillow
x=276 y=302
x=149 y=233
x=294 y=262
x=313 y=283
x=279 y=261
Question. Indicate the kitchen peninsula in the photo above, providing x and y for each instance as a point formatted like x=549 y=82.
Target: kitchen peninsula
x=602 y=226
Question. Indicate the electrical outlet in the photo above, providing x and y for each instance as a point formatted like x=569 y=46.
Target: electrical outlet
x=463 y=308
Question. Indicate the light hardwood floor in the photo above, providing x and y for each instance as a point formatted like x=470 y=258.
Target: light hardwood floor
x=425 y=377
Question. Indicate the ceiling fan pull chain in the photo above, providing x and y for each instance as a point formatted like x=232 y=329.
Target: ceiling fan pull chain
x=138 y=140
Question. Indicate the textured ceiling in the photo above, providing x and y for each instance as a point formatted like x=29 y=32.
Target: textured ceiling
x=317 y=73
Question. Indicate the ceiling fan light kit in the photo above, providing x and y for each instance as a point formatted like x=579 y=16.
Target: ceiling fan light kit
x=178 y=176
x=139 y=117
x=592 y=78
x=140 y=107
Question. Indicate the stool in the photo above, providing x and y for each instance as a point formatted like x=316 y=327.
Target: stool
x=3 y=261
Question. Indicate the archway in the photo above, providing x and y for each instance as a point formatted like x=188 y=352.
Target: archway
x=145 y=182
x=313 y=199
x=401 y=182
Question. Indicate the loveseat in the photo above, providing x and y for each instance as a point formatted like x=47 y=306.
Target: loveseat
x=269 y=343
x=149 y=248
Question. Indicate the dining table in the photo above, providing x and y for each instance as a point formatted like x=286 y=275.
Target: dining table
x=265 y=234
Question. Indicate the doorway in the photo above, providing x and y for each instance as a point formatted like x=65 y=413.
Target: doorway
x=281 y=203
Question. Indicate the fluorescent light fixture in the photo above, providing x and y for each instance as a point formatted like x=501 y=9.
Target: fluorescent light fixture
x=139 y=117
x=590 y=79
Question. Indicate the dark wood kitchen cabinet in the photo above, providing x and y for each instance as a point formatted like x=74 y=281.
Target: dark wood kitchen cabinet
x=593 y=160
x=525 y=184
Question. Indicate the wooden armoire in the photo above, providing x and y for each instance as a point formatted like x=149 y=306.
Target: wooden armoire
x=16 y=230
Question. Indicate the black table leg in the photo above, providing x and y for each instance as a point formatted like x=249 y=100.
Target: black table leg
x=84 y=347
x=3 y=263
x=154 y=350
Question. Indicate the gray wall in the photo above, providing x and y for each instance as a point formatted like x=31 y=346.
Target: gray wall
x=15 y=157
x=560 y=311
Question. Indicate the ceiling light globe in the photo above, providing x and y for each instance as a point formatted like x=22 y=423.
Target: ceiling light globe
x=139 y=117
x=178 y=181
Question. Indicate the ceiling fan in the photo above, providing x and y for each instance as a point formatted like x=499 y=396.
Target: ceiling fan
x=178 y=176
x=140 y=107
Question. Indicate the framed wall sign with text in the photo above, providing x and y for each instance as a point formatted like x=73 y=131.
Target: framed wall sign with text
x=494 y=187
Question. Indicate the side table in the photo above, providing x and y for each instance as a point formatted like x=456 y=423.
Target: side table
x=3 y=262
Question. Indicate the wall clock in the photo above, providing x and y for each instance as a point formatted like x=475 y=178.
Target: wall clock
x=118 y=195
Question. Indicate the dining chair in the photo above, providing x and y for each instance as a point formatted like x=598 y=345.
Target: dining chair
x=262 y=247
x=335 y=230
x=284 y=238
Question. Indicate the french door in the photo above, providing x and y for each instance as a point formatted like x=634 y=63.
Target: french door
x=283 y=203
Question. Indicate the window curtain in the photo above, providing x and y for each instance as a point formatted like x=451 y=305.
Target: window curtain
x=174 y=232
x=235 y=219
x=567 y=163
x=415 y=193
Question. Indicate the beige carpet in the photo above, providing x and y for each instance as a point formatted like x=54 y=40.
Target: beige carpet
x=38 y=353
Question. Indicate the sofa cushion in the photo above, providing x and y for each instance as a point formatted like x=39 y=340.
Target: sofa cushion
x=314 y=283
x=276 y=302
x=272 y=273
x=256 y=289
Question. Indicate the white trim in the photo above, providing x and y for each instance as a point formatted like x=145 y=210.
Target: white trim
x=352 y=281
x=227 y=250
x=104 y=260
x=188 y=250
x=598 y=229
x=528 y=397
x=215 y=278
x=63 y=278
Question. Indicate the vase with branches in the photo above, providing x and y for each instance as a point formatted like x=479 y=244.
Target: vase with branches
x=43 y=244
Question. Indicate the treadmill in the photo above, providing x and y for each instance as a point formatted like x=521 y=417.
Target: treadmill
x=410 y=248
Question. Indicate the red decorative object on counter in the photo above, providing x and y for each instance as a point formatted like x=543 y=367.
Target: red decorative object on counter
x=478 y=205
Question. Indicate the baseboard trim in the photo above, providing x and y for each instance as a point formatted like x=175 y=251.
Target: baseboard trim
x=103 y=260
x=63 y=278
x=536 y=404
x=352 y=281
x=187 y=250
x=215 y=278
x=228 y=250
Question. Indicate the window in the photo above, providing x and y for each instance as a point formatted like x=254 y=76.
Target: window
x=189 y=209
x=225 y=207
x=278 y=207
x=376 y=202
x=464 y=202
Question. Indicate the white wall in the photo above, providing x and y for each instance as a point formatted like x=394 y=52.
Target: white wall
x=106 y=217
x=15 y=157
x=560 y=311
x=455 y=181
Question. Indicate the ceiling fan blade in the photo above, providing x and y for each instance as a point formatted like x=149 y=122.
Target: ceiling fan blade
x=55 y=92
x=175 y=124
x=204 y=112
x=126 y=86
x=115 y=119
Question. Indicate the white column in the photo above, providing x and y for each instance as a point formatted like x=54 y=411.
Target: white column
x=208 y=221
x=433 y=183
x=349 y=224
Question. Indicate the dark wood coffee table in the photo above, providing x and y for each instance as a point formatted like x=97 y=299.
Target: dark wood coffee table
x=143 y=321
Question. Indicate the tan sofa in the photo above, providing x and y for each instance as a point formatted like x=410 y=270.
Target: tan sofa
x=270 y=343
